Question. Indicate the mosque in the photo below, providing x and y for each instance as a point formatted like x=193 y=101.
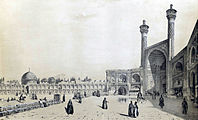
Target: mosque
x=161 y=71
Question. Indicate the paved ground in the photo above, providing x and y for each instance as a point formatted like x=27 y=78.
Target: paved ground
x=173 y=106
x=91 y=109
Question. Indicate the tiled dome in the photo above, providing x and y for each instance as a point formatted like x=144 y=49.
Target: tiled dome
x=27 y=77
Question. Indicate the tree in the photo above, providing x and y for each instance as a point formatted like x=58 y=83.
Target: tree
x=44 y=80
x=58 y=80
x=51 y=80
x=72 y=79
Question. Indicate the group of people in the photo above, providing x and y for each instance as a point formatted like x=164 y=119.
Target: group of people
x=12 y=99
x=133 y=110
x=79 y=97
x=34 y=97
x=22 y=97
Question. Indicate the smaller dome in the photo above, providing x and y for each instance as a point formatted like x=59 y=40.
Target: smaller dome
x=27 y=77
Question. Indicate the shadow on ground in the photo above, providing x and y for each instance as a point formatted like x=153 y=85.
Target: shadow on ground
x=173 y=106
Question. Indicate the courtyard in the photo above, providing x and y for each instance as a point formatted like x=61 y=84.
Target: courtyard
x=90 y=109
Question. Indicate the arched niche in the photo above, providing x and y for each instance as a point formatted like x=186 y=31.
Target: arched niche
x=136 y=77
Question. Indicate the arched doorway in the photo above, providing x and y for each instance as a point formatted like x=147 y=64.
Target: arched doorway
x=157 y=65
x=122 y=91
x=136 y=77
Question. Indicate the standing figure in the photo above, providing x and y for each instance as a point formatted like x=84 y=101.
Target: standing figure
x=20 y=98
x=161 y=102
x=36 y=97
x=131 y=109
x=104 y=104
x=45 y=98
x=139 y=96
x=80 y=99
x=125 y=100
x=8 y=99
x=41 y=103
x=184 y=106
x=64 y=98
x=135 y=110
x=69 y=109
x=98 y=93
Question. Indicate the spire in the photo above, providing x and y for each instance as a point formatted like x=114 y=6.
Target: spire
x=171 y=6
x=171 y=16
x=144 y=30
x=171 y=13
x=144 y=22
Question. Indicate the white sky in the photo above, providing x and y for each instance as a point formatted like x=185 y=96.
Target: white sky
x=84 y=37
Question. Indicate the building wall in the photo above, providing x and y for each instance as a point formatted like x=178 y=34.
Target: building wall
x=178 y=70
x=192 y=65
x=10 y=89
x=64 y=88
x=181 y=73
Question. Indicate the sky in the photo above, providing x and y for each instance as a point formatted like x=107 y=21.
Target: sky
x=82 y=38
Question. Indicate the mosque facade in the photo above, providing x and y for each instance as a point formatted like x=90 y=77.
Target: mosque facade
x=167 y=73
x=161 y=70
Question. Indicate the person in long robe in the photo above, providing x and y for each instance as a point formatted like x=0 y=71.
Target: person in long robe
x=184 y=106
x=135 y=110
x=139 y=96
x=8 y=99
x=130 y=110
x=161 y=102
x=64 y=98
x=104 y=104
x=80 y=99
x=41 y=103
x=36 y=97
x=69 y=109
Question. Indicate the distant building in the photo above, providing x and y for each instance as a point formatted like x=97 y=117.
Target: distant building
x=123 y=82
x=30 y=85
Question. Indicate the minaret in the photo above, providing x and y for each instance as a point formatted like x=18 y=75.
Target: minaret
x=171 y=15
x=144 y=30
